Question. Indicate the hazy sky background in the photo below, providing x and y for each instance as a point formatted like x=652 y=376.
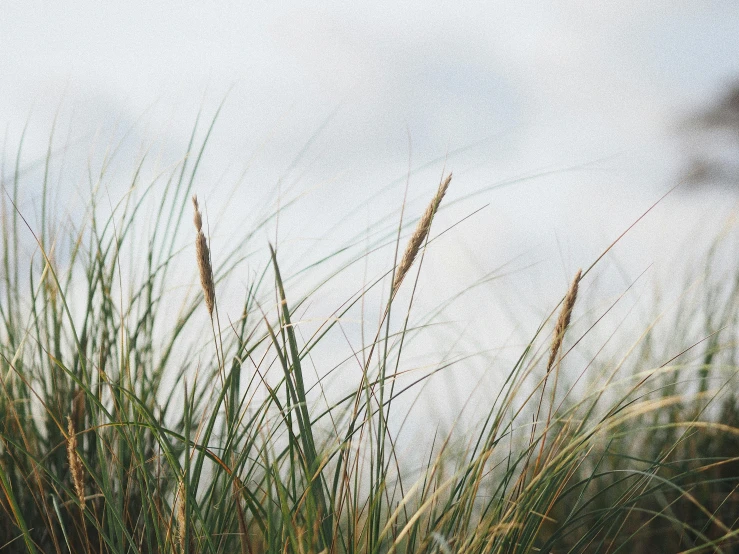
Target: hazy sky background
x=551 y=84
x=591 y=94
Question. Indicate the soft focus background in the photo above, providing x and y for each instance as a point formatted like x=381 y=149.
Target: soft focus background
x=563 y=122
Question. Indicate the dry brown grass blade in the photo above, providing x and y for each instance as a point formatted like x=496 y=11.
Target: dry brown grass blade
x=203 y=258
x=419 y=235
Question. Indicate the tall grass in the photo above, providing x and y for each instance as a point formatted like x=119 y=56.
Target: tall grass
x=125 y=429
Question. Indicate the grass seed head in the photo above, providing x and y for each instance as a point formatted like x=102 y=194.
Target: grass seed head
x=203 y=257
x=419 y=235
x=181 y=515
x=564 y=320
x=75 y=463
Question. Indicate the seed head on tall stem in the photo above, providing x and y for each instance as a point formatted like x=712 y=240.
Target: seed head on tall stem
x=419 y=235
x=181 y=515
x=203 y=257
x=564 y=320
x=75 y=463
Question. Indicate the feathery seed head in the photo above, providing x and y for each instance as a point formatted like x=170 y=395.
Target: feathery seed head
x=203 y=257
x=75 y=463
x=564 y=319
x=181 y=515
x=419 y=235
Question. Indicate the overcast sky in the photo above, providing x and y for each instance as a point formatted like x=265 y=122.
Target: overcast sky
x=589 y=93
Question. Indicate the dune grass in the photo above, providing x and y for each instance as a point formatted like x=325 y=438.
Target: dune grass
x=126 y=429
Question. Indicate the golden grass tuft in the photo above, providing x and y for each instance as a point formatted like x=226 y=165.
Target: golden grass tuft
x=75 y=463
x=203 y=256
x=419 y=235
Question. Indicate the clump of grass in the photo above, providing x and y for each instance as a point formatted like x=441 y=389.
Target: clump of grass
x=163 y=458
